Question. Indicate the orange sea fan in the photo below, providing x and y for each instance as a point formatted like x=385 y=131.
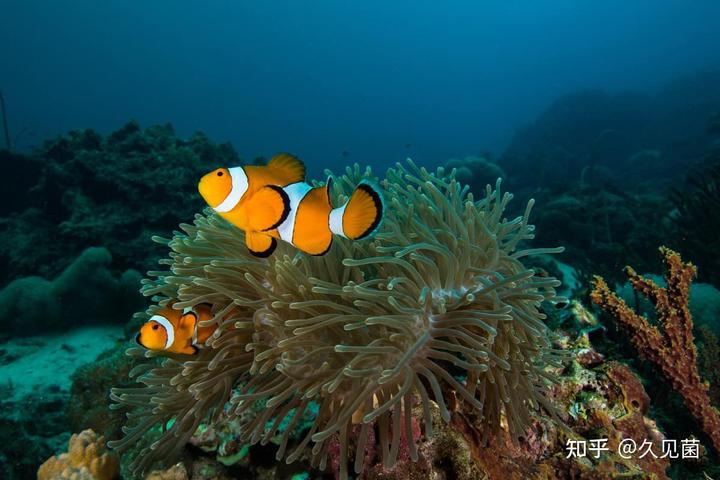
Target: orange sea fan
x=438 y=295
x=670 y=344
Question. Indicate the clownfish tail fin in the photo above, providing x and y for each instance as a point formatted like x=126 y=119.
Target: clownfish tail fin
x=360 y=217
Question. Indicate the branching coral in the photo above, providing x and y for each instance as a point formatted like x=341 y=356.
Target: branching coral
x=86 y=458
x=437 y=303
x=671 y=347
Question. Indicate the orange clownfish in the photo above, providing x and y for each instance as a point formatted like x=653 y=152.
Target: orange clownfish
x=273 y=202
x=176 y=331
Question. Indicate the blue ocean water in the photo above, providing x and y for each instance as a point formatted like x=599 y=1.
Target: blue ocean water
x=326 y=77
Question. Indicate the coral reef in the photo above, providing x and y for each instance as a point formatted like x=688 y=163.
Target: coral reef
x=670 y=345
x=634 y=137
x=83 y=190
x=33 y=305
x=475 y=172
x=604 y=167
x=89 y=402
x=597 y=399
x=200 y=469
x=86 y=459
x=34 y=393
x=600 y=405
x=176 y=472
x=24 y=172
x=603 y=228
x=32 y=428
x=709 y=360
x=437 y=302
x=695 y=215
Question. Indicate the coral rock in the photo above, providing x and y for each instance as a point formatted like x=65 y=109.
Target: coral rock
x=32 y=305
x=590 y=358
x=176 y=472
x=86 y=459
x=89 y=403
x=636 y=399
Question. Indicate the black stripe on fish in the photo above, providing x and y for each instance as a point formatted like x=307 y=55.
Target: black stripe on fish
x=286 y=207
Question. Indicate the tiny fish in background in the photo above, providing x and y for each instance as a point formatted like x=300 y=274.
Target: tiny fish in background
x=274 y=202
x=176 y=331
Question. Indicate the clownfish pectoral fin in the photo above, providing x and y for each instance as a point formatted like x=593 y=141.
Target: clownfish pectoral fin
x=361 y=215
x=188 y=322
x=189 y=350
x=290 y=168
x=267 y=208
x=260 y=244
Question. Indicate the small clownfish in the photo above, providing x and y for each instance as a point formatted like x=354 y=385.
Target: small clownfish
x=176 y=331
x=274 y=202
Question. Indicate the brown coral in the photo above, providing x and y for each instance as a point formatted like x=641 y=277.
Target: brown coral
x=635 y=397
x=671 y=347
x=86 y=459
x=633 y=425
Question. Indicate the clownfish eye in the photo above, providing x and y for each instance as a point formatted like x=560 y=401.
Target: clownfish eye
x=220 y=173
x=156 y=326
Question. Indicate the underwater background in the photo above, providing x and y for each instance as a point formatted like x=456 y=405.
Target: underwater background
x=607 y=114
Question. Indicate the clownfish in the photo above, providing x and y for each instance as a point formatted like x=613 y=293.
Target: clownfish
x=274 y=202
x=176 y=331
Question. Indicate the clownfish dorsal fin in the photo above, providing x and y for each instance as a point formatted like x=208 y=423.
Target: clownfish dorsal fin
x=290 y=168
x=260 y=244
x=267 y=208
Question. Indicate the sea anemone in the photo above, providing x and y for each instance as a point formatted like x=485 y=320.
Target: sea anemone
x=438 y=303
